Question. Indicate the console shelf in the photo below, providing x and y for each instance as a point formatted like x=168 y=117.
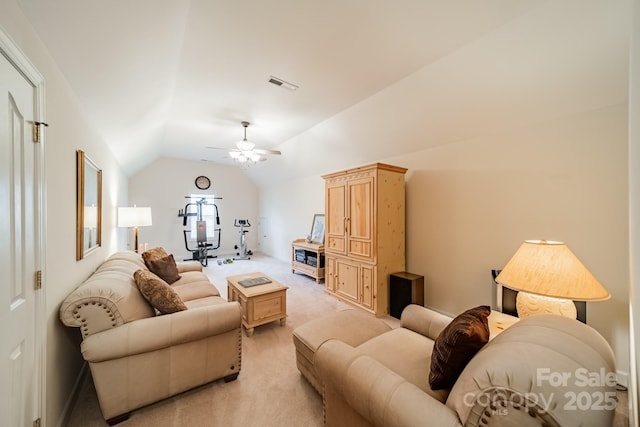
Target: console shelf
x=309 y=259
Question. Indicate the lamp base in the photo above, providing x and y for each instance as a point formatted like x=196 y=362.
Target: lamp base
x=529 y=304
x=135 y=240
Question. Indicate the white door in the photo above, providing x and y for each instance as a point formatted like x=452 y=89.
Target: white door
x=18 y=239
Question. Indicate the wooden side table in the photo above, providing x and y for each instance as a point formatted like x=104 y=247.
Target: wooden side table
x=498 y=322
x=260 y=304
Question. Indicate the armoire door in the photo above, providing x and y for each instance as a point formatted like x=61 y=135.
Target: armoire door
x=336 y=217
x=347 y=283
x=360 y=218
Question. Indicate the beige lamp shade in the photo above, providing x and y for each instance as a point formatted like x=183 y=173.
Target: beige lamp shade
x=134 y=217
x=550 y=269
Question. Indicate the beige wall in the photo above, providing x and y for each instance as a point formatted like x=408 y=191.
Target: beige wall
x=470 y=204
x=163 y=186
x=69 y=130
x=286 y=213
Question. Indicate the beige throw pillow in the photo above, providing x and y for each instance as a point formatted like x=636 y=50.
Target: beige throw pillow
x=159 y=294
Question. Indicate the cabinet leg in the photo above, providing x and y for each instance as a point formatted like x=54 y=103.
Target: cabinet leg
x=249 y=331
x=283 y=321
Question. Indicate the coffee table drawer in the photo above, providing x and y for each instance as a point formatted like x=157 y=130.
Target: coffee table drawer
x=271 y=306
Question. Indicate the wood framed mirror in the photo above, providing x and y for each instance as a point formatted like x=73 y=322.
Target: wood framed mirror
x=88 y=206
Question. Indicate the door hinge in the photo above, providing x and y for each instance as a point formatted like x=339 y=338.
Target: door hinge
x=38 y=281
x=35 y=130
x=36 y=423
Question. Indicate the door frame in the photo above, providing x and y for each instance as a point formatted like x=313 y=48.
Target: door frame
x=10 y=50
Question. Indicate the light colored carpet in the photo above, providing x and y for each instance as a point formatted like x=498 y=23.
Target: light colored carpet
x=269 y=390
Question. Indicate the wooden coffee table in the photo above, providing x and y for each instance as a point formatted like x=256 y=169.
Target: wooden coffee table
x=260 y=303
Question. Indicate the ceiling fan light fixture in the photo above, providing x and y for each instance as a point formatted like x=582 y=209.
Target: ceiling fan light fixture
x=245 y=145
x=245 y=151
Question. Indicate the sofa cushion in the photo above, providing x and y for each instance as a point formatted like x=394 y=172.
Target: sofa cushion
x=456 y=345
x=194 y=285
x=405 y=353
x=352 y=327
x=165 y=268
x=158 y=292
x=204 y=302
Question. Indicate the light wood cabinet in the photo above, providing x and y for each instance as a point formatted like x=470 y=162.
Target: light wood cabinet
x=364 y=233
x=308 y=258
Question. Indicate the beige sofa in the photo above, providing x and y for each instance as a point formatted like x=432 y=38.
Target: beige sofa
x=545 y=370
x=137 y=357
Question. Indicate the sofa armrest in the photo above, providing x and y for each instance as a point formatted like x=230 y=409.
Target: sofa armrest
x=145 y=335
x=424 y=321
x=185 y=266
x=104 y=301
x=377 y=393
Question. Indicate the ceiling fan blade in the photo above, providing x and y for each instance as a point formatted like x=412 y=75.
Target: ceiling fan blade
x=217 y=148
x=261 y=151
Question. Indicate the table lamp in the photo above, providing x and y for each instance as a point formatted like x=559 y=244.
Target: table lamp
x=549 y=277
x=134 y=217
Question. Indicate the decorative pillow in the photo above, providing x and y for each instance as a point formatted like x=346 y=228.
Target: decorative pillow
x=165 y=268
x=153 y=254
x=159 y=294
x=456 y=345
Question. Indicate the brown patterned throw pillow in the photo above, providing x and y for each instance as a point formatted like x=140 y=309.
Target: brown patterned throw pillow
x=456 y=345
x=153 y=254
x=159 y=294
x=165 y=268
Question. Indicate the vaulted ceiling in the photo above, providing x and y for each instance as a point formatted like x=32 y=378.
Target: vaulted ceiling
x=171 y=77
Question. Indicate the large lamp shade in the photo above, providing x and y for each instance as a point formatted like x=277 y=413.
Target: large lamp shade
x=549 y=269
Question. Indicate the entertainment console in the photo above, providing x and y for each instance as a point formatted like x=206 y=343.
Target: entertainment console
x=307 y=258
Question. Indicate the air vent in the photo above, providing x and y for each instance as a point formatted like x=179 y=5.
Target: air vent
x=283 y=84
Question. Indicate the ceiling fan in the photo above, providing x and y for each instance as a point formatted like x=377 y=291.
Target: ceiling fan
x=246 y=151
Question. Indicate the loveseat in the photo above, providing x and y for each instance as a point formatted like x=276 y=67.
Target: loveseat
x=545 y=370
x=138 y=356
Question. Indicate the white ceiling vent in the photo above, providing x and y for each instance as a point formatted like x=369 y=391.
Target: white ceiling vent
x=279 y=82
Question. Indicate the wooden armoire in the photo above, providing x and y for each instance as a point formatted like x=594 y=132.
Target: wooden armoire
x=364 y=233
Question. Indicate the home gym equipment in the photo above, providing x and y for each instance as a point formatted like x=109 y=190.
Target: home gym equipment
x=243 y=252
x=195 y=209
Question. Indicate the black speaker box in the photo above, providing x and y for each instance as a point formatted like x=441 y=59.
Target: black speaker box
x=404 y=289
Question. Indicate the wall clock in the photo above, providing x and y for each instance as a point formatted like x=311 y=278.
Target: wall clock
x=203 y=183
